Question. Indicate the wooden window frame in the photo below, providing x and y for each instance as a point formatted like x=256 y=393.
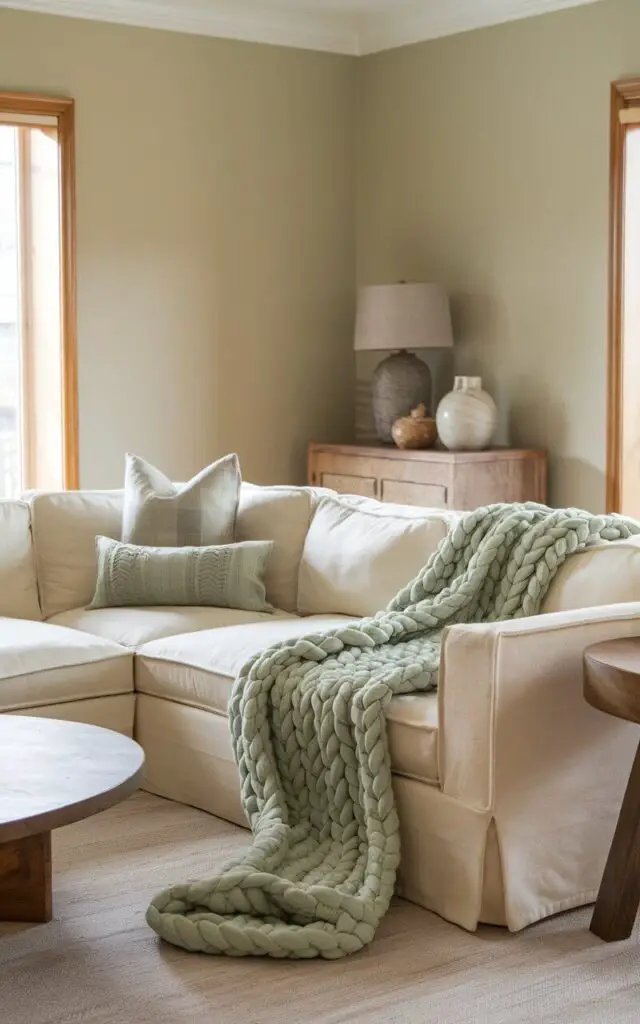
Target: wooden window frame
x=624 y=94
x=63 y=109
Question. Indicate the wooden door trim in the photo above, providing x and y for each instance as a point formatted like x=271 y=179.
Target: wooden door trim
x=63 y=109
x=625 y=93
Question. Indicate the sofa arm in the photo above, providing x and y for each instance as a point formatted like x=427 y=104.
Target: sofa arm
x=517 y=740
x=511 y=704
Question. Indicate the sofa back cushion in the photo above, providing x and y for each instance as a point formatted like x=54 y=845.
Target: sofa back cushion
x=280 y=514
x=606 y=574
x=66 y=524
x=359 y=553
x=18 y=584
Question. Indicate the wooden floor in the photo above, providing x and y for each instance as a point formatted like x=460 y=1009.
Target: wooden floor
x=98 y=963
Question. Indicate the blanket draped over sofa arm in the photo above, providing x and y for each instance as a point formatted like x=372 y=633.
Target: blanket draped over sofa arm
x=308 y=728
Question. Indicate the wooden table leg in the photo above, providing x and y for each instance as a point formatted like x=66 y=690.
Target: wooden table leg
x=25 y=879
x=619 y=896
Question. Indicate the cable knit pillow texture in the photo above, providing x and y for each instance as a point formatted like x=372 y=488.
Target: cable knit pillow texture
x=160 y=513
x=219 y=576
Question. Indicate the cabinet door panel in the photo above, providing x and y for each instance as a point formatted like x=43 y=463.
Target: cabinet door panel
x=427 y=495
x=365 y=486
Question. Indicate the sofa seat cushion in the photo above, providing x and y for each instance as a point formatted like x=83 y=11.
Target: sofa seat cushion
x=46 y=664
x=198 y=669
x=133 y=627
x=412 y=730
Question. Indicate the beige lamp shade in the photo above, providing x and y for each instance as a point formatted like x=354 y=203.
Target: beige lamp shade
x=403 y=316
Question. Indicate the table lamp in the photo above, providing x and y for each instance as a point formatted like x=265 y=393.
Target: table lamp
x=395 y=318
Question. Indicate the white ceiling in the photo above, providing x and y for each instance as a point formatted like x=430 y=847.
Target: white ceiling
x=341 y=26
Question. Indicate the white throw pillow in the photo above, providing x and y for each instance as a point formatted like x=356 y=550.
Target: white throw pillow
x=607 y=574
x=357 y=557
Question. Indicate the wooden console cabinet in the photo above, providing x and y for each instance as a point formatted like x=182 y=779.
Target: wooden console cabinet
x=433 y=478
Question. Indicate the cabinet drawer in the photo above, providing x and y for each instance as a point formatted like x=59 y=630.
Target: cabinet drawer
x=345 y=483
x=403 y=493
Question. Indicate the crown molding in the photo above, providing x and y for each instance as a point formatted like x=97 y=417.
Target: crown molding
x=448 y=18
x=336 y=33
x=224 y=19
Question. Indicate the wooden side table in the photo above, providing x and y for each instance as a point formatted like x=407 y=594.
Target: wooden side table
x=612 y=684
x=433 y=478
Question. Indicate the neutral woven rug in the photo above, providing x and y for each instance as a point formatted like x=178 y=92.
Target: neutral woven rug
x=308 y=724
x=98 y=963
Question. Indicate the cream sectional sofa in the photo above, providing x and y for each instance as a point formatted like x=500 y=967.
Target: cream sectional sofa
x=508 y=784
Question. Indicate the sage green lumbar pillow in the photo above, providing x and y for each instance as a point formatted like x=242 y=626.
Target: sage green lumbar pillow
x=160 y=513
x=221 y=576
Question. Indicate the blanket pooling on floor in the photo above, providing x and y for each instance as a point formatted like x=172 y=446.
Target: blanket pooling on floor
x=309 y=734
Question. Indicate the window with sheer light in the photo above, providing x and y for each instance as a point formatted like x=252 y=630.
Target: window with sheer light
x=38 y=432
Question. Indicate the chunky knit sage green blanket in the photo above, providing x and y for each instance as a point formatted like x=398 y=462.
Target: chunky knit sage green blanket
x=308 y=726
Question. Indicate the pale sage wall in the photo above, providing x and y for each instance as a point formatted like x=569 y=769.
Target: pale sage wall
x=215 y=234
x=483 y=163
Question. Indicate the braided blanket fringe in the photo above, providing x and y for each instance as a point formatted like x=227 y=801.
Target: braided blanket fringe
x=309 y=735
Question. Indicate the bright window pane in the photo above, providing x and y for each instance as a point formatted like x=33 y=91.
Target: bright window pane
x=45 y=340
x=10 y=412
x=31 y=428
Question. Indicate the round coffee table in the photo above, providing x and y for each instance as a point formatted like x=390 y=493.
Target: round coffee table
x=52 y=773
x=612 y=684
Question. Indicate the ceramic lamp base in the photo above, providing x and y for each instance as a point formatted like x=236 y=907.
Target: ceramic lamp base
x=400 y=383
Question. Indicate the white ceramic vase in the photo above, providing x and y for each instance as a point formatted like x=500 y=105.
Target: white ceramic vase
x=467 y=417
